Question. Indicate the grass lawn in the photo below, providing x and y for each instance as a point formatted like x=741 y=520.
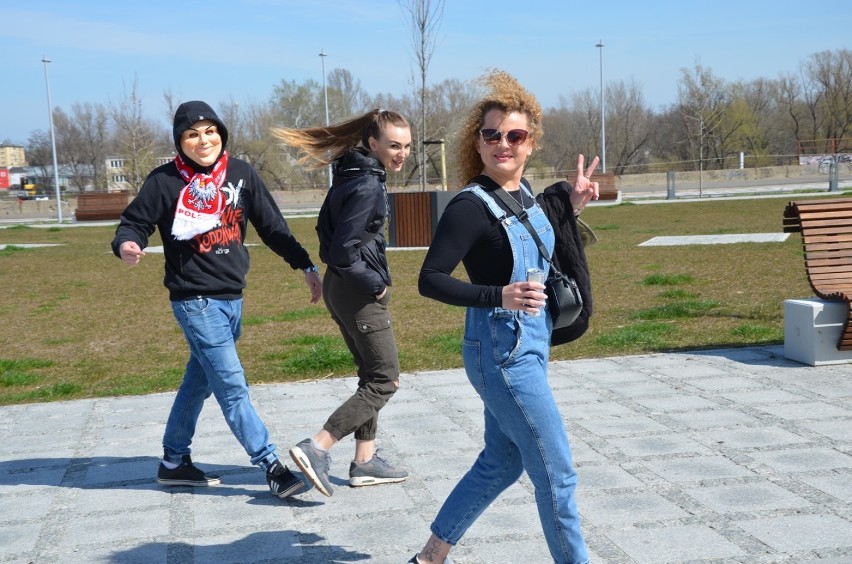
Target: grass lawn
x=75 y=322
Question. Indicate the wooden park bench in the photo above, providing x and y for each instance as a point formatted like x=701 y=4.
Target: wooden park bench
x=100 y=206
x=606 y=184
x=826 y=228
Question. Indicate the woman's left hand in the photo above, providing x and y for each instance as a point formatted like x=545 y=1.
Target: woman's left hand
x=584 y=189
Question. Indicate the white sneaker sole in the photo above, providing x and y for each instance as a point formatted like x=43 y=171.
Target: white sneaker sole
x=209 y=482
x=304 y=465
x=359 y=481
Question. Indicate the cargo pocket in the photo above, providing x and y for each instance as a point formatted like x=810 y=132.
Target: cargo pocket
x=375 y=318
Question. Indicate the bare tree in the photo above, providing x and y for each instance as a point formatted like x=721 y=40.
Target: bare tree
x=346 y=96
x=628 y=127
x=828 y=90
x=136 y=137
x=424 y=17
x=92 y=122
x=569 y=129
x=39 y=154
x=69 y=143
x=297 y=106
x=703 y=99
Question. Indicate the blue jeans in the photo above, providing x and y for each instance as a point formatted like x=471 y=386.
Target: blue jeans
x=211 y=328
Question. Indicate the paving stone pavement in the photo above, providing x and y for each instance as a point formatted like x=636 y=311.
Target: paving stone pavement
x=734 y=455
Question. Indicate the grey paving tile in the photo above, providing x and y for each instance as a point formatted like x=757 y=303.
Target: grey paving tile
x=677 y=402
x=801 y=532
x=606 y=477
x=620 y=426
x=838 y=430
x=805 y=410
x=755 y=496
x=622 y=509
x=714 y=418
x=770 y=395
x=657 y=445
x=689 y=543
x=752 y=437
x=720 y=384
x=803 y=459
x=696 y=468
x=837 y=484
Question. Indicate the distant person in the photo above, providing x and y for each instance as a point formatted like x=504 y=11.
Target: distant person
x=356 y=285
x=507 y=331
x=201 y=202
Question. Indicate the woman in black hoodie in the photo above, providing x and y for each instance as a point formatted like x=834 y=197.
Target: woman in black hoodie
x=356 y=285
x=201 y=203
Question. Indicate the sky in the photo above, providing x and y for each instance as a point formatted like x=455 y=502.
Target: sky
x=239 y=50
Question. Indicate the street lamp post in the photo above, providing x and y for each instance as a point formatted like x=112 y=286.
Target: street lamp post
x=323 y=55
x=45 y=60
x=600 y=46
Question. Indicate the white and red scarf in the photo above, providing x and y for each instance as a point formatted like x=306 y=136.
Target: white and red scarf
x=201 y=202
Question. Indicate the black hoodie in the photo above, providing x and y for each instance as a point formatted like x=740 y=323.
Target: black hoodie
x=214 y=263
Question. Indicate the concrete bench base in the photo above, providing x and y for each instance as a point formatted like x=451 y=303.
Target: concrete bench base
x=812 y=328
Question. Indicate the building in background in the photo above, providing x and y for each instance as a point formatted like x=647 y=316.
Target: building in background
x=12 y=155
x=116 y=172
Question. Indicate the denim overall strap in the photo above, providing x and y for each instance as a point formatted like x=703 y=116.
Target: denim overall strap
x=519 y=237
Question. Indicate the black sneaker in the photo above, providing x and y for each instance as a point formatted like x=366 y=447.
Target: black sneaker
x=282 y=482
x=185 y=475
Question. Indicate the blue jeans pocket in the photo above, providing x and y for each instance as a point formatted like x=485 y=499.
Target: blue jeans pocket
x=472 y=359
x=195 y=305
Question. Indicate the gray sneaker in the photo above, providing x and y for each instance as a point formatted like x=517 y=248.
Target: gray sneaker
x=374 y=471
x=314 y=462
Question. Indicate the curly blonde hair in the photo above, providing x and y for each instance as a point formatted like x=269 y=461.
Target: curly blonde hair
x=506 y=94
x=320 y=146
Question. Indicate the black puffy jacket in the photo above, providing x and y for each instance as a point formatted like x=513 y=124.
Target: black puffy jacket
x=351 y=223
x=568 y=254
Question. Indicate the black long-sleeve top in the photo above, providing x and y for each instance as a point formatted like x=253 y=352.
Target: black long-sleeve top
x=468 y=233
x=213 y=263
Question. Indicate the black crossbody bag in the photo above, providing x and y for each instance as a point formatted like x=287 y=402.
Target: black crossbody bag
x=563 y=296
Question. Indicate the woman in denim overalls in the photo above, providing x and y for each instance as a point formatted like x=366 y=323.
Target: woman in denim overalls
x=507 y=330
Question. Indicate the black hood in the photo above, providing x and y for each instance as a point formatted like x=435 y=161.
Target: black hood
x=357 y=162
x=189 y=113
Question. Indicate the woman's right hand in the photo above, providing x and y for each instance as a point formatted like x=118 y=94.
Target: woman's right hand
x=524 y=296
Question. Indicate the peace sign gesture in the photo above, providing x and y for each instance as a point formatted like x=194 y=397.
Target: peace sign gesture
x=584 y=189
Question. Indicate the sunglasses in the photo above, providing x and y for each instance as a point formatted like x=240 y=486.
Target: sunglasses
x=513 y=137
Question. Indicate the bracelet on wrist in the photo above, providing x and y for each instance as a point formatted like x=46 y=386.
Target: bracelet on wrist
x=310 y=269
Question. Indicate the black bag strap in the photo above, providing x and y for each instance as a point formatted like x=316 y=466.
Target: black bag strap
x=524 y=218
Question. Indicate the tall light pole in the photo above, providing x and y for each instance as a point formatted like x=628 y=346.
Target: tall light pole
x=45 y=60
x=323 y=55
x=600 y=46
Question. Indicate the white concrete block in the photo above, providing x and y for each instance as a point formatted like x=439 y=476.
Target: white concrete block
x=812 y=330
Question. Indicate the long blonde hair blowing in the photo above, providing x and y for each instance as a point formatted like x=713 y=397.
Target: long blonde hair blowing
x=320 y=146
x=506 y=94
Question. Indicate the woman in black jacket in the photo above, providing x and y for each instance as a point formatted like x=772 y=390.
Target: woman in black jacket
x=356 y=285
